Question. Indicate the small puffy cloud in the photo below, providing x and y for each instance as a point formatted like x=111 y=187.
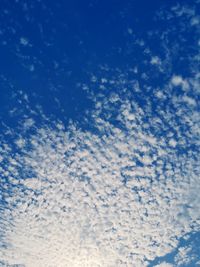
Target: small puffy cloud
x=177 y=80
x=24 y=41
x=155 y=60
x=189 y=100
x=130 y=31
x=172 y=142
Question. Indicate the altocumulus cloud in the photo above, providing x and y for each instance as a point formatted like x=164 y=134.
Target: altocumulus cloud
x=119 y=192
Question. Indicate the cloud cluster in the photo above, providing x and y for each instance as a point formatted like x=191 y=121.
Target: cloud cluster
x=119 y=192
x=110 y=198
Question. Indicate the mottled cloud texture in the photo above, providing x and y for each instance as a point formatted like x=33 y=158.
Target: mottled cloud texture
x=121 y=188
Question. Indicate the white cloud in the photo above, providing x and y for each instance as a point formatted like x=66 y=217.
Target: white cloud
x=118 y=196
x=164 y=264
x=76 y=203
x=155 y=60
x=178 y=80
x=24 y=41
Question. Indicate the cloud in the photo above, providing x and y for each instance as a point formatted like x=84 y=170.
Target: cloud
x=164 y=264
x=114 y=197
x=122 y=190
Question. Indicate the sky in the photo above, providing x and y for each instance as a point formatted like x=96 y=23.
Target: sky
x=99 y=133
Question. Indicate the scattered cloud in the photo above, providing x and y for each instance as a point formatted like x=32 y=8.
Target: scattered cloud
x=122 y=190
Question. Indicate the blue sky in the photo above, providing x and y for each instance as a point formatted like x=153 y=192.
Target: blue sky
x=99 y=111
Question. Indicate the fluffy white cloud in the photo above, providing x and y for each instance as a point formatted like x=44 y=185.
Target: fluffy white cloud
x=164 y=264
x=107 y=199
